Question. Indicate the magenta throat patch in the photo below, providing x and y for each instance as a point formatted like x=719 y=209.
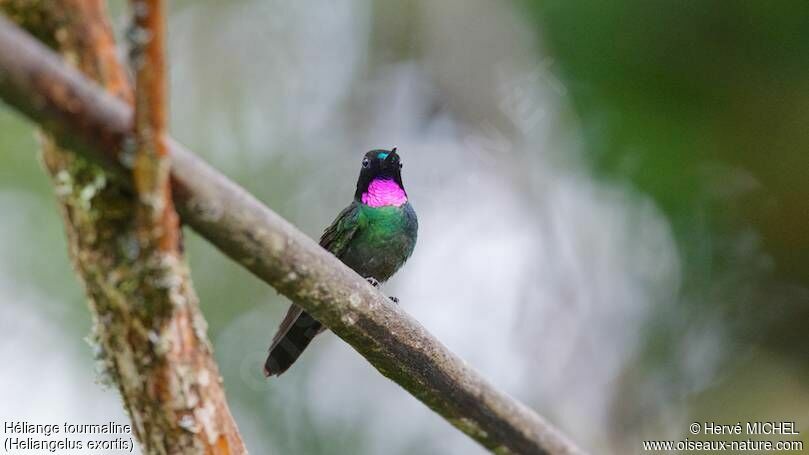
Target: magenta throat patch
x=383 y=192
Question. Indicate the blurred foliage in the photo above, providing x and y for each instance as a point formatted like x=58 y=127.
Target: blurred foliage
x=704 y=106
x=23 y=183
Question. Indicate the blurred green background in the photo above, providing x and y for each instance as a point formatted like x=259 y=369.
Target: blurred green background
x=613 y=204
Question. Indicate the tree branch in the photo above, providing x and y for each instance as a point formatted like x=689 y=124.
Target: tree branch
x=158 y=222
x=147 y=320
x=84 y=116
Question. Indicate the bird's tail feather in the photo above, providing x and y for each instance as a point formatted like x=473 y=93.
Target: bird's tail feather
x=297 y=330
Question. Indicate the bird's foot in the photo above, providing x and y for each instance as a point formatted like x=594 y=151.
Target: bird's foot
x=373 y=282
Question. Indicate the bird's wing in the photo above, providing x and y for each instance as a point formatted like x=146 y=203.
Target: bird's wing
x=337 y=236
x=298 y=328
x=335 y=239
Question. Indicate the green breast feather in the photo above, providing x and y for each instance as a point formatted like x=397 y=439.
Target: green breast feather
x=374 y=241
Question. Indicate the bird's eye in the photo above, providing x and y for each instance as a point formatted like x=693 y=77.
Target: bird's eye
x=366 y=162
x=400 y=164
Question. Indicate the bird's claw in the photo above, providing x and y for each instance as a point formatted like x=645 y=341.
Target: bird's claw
x=373 y=282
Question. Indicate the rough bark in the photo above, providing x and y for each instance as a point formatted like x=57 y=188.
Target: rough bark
x=146 y=316
x=275 y=251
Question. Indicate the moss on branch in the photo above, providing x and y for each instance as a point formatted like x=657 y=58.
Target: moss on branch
x=150 y=334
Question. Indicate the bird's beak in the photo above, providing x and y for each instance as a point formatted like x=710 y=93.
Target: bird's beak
x=389 y=159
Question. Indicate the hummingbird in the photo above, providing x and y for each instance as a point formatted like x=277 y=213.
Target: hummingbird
x=374 y=236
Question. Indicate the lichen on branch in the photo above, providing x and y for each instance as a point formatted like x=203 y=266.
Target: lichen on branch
x=147 y=324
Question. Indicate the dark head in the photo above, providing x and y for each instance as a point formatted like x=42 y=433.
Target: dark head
x=380 y=181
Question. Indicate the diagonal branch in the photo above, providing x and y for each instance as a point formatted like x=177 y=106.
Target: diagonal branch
x=83 y=115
